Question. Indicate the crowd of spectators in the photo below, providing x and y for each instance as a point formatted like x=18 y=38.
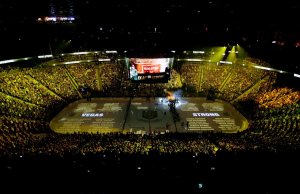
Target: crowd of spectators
x=229 y=80
x=55 y=79
x=20 y=85
x=278 y=97
x=28 y=95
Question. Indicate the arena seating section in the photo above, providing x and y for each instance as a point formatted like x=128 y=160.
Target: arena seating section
x=31 y=96
x=191 y=162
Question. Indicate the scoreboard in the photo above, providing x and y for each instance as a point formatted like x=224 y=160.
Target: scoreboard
x=149 y=69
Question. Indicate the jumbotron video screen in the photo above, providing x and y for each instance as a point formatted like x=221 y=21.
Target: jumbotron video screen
x=149 y=69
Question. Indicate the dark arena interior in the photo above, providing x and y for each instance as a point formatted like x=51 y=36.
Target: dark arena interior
x=149 y=96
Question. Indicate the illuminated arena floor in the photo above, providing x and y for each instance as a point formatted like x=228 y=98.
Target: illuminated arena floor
x=142 y=115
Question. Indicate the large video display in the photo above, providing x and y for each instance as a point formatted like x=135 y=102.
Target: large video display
x=143 y=69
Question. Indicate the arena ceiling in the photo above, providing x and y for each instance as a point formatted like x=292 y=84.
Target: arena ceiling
x=179 y=24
